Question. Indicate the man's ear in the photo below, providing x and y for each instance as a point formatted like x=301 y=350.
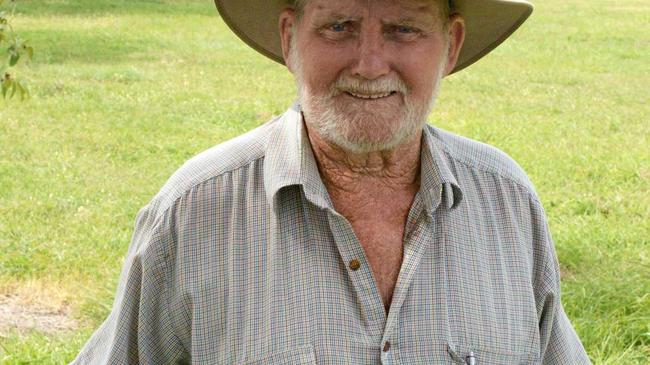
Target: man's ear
x=286 y=23
x=456 y=36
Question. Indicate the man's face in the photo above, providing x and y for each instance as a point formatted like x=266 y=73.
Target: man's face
x=368 y=71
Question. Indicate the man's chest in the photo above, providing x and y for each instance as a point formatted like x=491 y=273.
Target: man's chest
x=383 y=248
x=378 y=229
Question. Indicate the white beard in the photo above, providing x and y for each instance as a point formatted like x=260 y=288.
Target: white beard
x=357 y=128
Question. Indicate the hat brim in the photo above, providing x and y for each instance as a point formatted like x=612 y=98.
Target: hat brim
x=487 y=24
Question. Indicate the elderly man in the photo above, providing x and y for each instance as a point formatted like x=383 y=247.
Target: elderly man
x=347 y=231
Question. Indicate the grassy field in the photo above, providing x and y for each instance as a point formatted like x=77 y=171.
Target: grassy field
x=123 y=92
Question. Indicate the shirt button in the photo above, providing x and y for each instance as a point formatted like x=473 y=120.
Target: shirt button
x=355 y=264
x=386 y=346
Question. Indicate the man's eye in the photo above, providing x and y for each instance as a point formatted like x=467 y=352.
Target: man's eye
x=404 y=29
x=338 y=27
x=403 y=32
x=338 y=30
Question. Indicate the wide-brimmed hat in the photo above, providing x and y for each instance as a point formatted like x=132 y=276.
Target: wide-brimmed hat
x=487 y=24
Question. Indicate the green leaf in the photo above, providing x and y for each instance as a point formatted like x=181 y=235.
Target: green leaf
x=14 y=59
x=13 y=89
x=6 y=83
x=30 y=52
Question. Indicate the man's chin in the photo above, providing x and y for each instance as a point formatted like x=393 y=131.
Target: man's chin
x=355 y=142
x=373 y=111
x=361 y=130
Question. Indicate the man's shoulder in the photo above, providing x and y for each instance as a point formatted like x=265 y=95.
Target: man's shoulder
x=481 y=157
x=226 y=157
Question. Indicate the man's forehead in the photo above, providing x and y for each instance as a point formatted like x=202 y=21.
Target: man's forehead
x=415 y=8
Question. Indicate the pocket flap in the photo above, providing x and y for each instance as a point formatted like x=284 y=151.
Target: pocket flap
x=482 y=356
x=297 y=356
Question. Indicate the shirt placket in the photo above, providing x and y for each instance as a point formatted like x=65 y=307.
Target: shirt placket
x=360 y=274
x=416 y=240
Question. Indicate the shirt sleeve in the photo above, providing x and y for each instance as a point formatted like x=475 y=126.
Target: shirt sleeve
x=559 y=343
x=139 y=328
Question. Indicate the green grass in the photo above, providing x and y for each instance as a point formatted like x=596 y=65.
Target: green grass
x=123 y=92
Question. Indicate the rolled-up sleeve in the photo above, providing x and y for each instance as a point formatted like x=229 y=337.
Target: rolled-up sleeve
x=139 y=329
x=559 y=343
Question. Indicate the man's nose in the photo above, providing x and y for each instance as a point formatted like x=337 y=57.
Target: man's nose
x=371 y=58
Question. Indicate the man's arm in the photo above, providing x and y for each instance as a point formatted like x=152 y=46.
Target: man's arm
x=139 y=328
x=559 y=343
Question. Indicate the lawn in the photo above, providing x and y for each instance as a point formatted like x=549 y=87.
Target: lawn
x=123 y=92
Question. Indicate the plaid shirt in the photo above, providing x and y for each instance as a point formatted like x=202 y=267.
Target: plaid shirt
x=242 y=259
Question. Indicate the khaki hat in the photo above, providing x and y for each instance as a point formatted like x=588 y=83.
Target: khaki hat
x=487 y=24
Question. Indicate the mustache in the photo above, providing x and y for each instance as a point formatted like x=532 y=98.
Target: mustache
x=379 y=86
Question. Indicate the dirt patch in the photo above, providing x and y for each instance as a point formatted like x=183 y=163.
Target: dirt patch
x=21 y=314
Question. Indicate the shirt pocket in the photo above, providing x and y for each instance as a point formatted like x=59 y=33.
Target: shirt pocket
x=296 y=356
x=459 y=354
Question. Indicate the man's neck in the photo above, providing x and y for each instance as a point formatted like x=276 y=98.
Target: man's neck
x=351 y=173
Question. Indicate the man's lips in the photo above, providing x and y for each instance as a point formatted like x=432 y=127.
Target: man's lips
x=370 y=96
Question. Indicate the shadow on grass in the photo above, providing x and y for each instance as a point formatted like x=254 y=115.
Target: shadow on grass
x=102 y=7
x=69 y=46
x=105 y=43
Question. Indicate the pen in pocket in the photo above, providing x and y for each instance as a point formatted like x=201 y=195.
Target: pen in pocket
x=471 y=359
